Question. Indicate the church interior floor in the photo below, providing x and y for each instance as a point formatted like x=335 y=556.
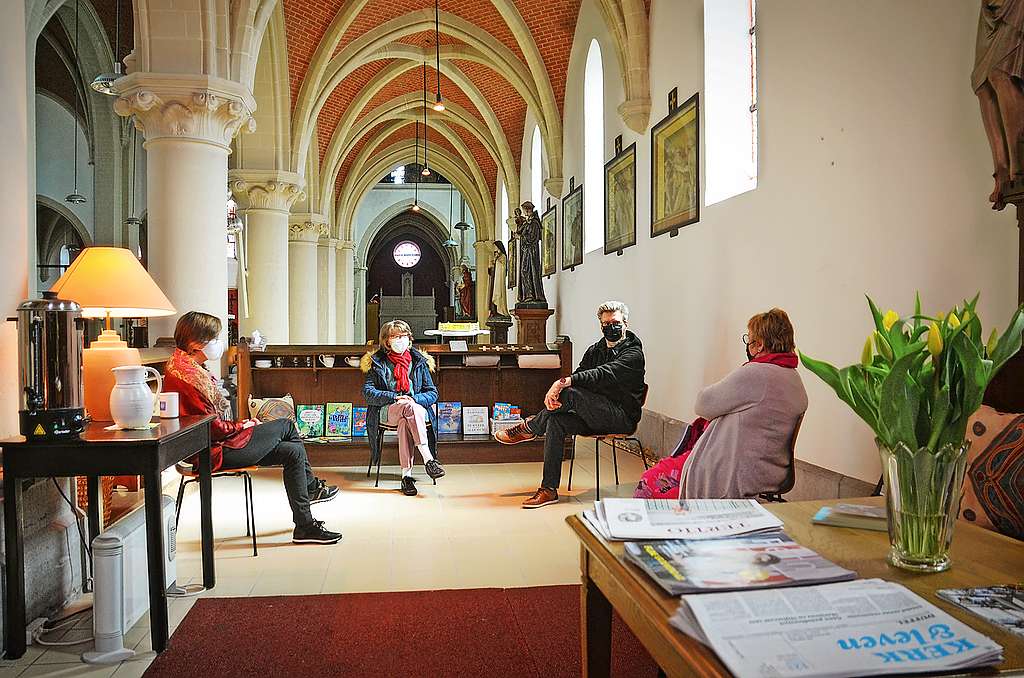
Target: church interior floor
x=467 y=532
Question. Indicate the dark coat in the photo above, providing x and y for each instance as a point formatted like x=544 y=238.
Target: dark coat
x=616 y=372
x=379 y=392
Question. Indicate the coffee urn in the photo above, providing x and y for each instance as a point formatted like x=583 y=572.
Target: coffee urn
x=50 y=336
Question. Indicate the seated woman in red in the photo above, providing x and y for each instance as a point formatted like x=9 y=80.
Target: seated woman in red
x=237 y=444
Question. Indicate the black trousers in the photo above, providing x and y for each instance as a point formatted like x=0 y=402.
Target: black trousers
x=582 y=412
x=277 y=443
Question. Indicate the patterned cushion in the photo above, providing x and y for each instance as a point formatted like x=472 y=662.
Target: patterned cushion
x=268 y=409
x=994 y=486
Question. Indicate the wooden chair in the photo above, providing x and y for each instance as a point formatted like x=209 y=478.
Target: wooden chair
x=775 y=496
x=189 y=474
x=614 y=440
x=382 y=428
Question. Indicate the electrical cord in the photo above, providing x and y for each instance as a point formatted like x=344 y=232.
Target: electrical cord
x=78 y=523
x=37 y=636
x=70 y=616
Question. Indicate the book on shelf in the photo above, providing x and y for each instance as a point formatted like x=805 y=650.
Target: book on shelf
x=339 y=420
x=502 y=411
x=449 y=417
x=1002 y=606
x=734 y=564
x=475 y=421
x=856 y=516
x=359 y=421
x=310 y=420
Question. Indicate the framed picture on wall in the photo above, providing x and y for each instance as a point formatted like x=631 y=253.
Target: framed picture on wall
x=572 y=228
x=675 y=169
x=620 y=201
x=548 y=255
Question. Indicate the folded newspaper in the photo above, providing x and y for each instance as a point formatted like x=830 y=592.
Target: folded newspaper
x=631 y=519
x=734 y=564
x=858 y=628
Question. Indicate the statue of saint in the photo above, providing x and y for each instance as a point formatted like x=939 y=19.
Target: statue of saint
x=531 y=289
x=497 y=267
x=998 y=80
x=513 y=260
x=465 y=288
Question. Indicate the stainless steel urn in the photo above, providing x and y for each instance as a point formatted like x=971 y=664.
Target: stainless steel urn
x=50 y=337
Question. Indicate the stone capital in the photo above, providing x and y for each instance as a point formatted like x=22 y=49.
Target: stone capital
x=636 y=113
x=265 y=189
x=553 y=185
x=346 y=245
x=186 y=107
x=307 y=227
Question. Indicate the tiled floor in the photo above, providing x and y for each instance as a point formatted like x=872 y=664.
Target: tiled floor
x=467 y=532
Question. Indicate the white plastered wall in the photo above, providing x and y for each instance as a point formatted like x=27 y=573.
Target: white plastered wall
x=873 y=177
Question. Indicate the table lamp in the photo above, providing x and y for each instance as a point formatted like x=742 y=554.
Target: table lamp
x=109 y=282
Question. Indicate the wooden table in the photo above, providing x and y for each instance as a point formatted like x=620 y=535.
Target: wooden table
x=980 y=558
x=106 y=453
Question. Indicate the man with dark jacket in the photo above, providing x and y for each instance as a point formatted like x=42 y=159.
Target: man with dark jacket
x=603 y=395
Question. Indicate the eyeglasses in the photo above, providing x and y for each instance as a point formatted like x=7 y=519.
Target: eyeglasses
x=746 y=340
x=611 y=322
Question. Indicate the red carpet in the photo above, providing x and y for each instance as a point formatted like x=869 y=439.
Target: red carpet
x=473 y=632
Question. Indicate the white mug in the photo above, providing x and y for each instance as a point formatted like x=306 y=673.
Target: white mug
x=327 y=360
x=169 y=405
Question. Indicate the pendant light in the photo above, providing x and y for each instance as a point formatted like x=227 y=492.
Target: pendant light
x=416 y=187
x=426 y=169
x=450 y=243
x=75 y=198
x=104 y=82
x=438 y=102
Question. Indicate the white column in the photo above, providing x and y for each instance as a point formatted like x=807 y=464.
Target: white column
x=483 y=255
x=326 y=296
x=345 y=289
x=359 y=301
x=264 y=199
x=188 y=122
x=303 y=232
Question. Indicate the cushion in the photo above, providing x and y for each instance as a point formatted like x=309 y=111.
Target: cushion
x=268 y=409
x=994 y=483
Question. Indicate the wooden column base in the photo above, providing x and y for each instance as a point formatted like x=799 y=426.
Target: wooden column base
x=531 y=324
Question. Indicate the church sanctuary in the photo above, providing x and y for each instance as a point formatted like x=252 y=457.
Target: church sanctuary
x=512 y=338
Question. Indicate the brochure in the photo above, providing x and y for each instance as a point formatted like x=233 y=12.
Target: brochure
x=449 y=417
x=339 y=420
x=474 y=421
x=999 y=605
x=633 y=519
x=310 y=420
x=359 y=421
x=834 y=517
x=764 y=561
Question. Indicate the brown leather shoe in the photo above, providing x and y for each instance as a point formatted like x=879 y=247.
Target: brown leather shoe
x=520 y=433
x=542 y=497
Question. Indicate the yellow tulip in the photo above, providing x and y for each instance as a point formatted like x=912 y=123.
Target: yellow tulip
x=941 y=315
x=954 y=322
x=890 y=318
x=883 y=346
x=966 y=318
x=934 y=340
x=865 y=356
x=993 y=340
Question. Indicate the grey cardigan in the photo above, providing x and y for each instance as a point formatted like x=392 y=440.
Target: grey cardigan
x=745 y=449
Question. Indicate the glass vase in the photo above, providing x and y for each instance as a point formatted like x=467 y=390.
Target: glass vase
x=922 y=500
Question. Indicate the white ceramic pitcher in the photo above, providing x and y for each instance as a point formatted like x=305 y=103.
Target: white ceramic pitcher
x=131 y=401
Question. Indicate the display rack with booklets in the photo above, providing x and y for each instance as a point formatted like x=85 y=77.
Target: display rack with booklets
x=303 y=376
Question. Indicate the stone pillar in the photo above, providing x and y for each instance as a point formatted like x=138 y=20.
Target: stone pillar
x=483 y=279
x=326 y=291
x=304 y=230
x=359 y=301
x=345 y=289
x=264 y=198
x=188 y=122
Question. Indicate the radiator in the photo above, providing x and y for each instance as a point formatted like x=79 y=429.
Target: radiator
x=121 y=581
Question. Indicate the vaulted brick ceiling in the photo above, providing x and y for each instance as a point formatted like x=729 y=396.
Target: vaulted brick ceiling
x=551 y=23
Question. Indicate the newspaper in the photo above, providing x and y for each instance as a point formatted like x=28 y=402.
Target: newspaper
x=859 y=628
x=999 y=605
x=633 y=519
x=734 y=564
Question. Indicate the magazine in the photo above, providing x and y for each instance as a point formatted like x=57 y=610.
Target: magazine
x=999 y=605
x=856 y=628
x=474 y=421
x=359 y=421
x=339 y=420
x=633 y=519
x=310 y=420
x=738 y=563
x=449 y=417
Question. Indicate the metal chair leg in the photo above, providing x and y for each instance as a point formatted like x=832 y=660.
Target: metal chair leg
x=177 y=504
x=251 y=518
x=597 y=468
x=615 y=462
x=369 y=466
x=572 y=459
x=376 y=482
x=878 y=487
x=245 y=493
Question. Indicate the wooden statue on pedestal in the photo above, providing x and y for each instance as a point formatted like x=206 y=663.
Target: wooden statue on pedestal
x=532 y=309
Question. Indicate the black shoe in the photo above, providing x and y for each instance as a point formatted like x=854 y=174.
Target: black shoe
x=409 y=486
x=314 y=533
x=434 y=470
x=321 y=492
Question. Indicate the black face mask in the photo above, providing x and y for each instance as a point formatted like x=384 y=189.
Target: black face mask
x=749 y=354
x=612 y=332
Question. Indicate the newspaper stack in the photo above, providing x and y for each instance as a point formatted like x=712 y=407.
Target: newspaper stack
x=859 y=628
x=631 y=519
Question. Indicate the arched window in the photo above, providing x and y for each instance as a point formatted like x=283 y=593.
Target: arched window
x=64 y=258
x=593 y=149
x=503 y=212
x=536 y=178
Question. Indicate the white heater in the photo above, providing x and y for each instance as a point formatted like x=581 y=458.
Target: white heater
x=121 y=582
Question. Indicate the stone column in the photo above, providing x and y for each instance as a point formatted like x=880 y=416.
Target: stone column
x=345 y=291
x=483 y=254
x=188 y=122
x=304 y=230
x=359 y=301
x=264 y=198
x=326 y=291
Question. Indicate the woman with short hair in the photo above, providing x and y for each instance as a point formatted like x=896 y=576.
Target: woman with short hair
x=237 y=444
x=399 y=392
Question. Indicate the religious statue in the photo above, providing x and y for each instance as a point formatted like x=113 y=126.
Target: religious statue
x=998 y=80
x=497 y=268
x=513 y=260
x=465 y=288
x=531 y=289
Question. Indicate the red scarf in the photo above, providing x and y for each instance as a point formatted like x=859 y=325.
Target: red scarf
x=401 y=362
x=781 y=359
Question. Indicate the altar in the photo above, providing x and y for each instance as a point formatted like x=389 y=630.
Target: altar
x=418 y=311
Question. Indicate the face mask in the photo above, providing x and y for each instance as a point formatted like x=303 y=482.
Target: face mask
x=214 y=349
x=750 y=356
x=612 y=332
x=400 y=344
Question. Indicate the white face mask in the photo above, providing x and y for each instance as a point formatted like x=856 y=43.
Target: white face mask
x=399 y=344
x=214 y=349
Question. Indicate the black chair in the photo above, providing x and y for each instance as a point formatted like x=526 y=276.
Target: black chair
x=190 y=474
x=614 y=440
x=775 y=496
x=382 y=428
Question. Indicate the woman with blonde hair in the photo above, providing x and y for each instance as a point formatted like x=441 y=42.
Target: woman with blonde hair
x=399 y=392
x=237 y=444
